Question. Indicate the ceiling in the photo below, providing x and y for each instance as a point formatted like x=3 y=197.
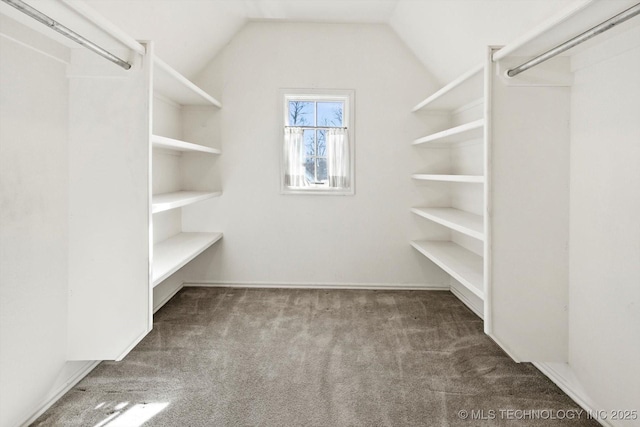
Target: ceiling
x=447 y=36
x=451 y=36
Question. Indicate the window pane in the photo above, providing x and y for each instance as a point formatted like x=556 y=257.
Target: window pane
x=301 y=113
x=310 y=167
x=322 y=169
x=322 y=143
x=330 y=114
x=309 y=142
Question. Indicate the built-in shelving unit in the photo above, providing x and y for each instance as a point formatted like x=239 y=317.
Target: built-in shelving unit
x=465 y=132
x=547 y=125
x=455 y=219
x=463 y=136
x=173 y=85
x=179 y=164
x=462 y=264
x=462 y=91
x=178 y=199
x=477 y=179
x=177 y=145
x=172 y=254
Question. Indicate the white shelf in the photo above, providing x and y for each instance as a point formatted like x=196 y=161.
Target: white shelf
x=166 y=201
x=455 y=219
x=175 y=144
x=476 y=179
x=178 y=88
x=461 y=91
x=461 y=264
x=172 y=254
x=465 y=132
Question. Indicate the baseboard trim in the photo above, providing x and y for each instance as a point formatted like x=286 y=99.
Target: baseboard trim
x=133 y=345
x=466 y=301
x=68 y=385
x=309 y=285
x=562 y=375
x=168 y=298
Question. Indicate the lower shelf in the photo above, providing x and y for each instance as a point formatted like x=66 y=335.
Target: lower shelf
x=463 y=265
x=172 y=254
x=455 y=219
x=474 y=179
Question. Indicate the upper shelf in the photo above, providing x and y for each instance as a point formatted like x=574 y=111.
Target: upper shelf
x=176 y=144
x=465 y=132
x=178 y=88
x=166 y=201
x=461 y=91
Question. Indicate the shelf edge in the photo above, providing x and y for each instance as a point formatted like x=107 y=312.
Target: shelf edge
x=449 y=270
x=157 y=207
x=457 y=130
x=449 y=223
x=186 y=82
x=179 y=145
x=472 y=179
x=447 y=88
x=216 y=236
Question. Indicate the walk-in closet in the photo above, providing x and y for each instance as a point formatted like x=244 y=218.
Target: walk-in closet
x=347 y=212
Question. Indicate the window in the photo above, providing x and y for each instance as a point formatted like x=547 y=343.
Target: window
x=318 y=142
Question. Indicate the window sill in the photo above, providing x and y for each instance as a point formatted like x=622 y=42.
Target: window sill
x=311 y=191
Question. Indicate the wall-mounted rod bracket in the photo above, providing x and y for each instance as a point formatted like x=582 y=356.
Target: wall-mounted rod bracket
x=598 y=29
x=56 y=26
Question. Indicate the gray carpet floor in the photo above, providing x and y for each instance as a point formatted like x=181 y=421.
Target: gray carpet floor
x=284 y=357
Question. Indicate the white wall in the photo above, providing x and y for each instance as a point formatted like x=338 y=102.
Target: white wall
x=277 y=239
x=108 y=207
x=33 y=222
x=529 y=214
x=604 y=310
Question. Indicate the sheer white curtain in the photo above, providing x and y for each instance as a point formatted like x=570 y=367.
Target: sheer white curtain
x=338 y=158
x=294 y=157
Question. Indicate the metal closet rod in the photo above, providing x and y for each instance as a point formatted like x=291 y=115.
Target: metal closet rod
x=601 y=28
x=56 y=26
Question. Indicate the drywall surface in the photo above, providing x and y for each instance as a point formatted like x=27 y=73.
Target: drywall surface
x=108 y=208
x=530 y=220
x=604 y=310
x=33 y=221
x=271 y=238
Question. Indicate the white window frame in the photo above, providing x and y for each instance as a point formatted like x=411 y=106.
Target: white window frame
x=343 y=95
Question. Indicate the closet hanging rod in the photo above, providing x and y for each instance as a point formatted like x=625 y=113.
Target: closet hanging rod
x=105 y=25
x=592 y=32
x=56 y=26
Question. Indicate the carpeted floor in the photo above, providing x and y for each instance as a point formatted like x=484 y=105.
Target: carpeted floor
x=284 y=357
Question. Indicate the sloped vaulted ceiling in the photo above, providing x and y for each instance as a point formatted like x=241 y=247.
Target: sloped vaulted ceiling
x=448 y=36
x=186 y=33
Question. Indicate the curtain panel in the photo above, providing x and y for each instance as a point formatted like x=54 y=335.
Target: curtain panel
x=338 y=161
x=294 y=158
